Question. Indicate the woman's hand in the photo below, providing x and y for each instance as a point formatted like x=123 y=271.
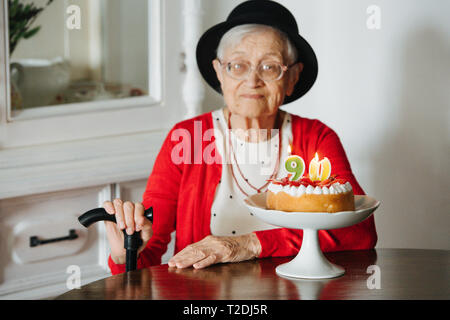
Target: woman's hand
x=129 y=217
x=214 y=249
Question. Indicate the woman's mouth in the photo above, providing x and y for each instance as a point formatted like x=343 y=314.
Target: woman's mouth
x=252 y=96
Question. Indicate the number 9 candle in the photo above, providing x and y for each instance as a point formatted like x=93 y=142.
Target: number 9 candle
x=295 y=164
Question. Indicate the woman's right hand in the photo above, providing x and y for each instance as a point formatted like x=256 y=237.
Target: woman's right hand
x=129 y=217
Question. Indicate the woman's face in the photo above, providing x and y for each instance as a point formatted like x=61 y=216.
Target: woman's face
x=252 y=97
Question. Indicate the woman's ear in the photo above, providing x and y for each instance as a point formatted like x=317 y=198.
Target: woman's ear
x=294 y=75
x=218 y=69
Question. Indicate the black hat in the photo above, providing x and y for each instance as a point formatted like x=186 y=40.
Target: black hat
x=264 y=12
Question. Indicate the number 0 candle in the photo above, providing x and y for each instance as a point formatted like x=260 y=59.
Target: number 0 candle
x=319 y=170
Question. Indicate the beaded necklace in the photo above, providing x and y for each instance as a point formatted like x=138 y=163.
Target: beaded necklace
x=259 y=190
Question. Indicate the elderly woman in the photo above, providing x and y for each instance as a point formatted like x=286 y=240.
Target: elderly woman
x=258 y=61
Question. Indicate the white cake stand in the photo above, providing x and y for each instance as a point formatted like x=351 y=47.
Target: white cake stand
x=310 y=263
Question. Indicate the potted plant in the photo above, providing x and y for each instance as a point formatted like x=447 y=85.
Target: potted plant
x=21 y=19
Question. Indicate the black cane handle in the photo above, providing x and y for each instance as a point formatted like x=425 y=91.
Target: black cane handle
x=100 y=214
x=131 y=242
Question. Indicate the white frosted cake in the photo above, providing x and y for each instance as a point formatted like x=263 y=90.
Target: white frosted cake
x=304 y=195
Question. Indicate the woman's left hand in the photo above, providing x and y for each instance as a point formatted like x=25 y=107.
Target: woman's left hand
x=213 y=249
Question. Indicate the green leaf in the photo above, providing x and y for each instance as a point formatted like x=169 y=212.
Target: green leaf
x=31 y=33
x=21 y=17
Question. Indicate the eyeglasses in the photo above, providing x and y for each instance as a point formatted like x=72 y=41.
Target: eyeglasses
x=266 y=71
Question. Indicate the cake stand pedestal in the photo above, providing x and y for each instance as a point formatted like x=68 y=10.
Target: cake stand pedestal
x=310 y=263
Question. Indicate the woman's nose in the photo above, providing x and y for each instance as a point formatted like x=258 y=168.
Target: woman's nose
x=253 y=80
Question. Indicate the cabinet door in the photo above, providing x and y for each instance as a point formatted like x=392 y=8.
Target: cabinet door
x=94 y=68
x=38 y=271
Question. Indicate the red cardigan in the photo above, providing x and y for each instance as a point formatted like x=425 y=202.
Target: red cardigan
x=182 y=194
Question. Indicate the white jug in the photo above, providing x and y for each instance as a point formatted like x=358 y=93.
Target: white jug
x=39 y=81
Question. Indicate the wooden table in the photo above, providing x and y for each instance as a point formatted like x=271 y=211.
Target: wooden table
x=403 y=274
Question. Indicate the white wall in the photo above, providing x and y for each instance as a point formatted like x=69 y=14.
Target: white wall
x=386 y=93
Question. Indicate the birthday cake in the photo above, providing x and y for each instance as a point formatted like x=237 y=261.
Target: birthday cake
x=318 y=191
x=305 y=195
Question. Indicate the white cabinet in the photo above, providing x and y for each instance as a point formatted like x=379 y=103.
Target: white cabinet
x=39 y=272
x=43 y=271
x=58 y=162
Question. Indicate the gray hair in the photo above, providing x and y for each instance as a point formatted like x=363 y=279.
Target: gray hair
x=234 y=36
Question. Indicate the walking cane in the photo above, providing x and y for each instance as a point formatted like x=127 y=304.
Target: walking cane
x=131 y=242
